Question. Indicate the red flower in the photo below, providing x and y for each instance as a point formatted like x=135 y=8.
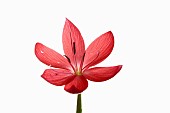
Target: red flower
x=73 y=69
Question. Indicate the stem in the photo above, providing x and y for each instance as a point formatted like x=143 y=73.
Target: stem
x=79 y=106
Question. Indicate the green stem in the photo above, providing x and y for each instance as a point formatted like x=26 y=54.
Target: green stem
x=79 y=106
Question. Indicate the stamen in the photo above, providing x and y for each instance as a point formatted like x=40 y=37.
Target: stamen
x=88 y=65
x=81 y=64
x=69 y=62
x=83 y=56
x=73 y=44
x=67 y=58
x=74 y=48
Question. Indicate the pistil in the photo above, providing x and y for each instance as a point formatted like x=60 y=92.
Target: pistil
x=78 y=73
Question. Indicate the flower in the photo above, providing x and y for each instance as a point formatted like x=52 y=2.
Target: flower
x=73 y=69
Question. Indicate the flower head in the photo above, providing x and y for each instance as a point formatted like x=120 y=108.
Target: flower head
x=73 y=69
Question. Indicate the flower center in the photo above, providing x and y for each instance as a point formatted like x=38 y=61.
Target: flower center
x=79 y=73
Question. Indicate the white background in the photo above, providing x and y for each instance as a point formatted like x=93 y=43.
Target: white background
x=141 y=30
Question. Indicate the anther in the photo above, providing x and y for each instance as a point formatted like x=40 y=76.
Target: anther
x=74 y=48
x=67 y=58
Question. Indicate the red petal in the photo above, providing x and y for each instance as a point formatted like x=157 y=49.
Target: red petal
x=99 y=74
x=58 y=77
x=73 y=43
x=50 y=57
x=78 y=85
x=102 y=47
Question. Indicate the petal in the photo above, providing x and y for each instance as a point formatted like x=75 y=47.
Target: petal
x=78 y=85
x=73 y=43
x=50 y=57
x=58 y=77
x=102 y=47
x=99 y=74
